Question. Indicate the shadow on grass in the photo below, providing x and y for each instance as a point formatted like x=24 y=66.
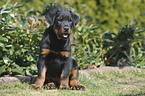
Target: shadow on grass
x=27 y=79
x=139 y=94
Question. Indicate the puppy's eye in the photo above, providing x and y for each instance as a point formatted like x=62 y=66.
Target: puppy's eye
x=60 y=19
x=69 y=19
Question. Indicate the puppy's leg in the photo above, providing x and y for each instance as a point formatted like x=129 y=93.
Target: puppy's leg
x=74 y=83
x=64 y=78
x=41 y=73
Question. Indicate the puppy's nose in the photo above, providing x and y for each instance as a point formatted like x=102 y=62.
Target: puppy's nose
x=66 y=29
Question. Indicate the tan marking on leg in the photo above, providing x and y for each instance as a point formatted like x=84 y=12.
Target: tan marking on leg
x=64 y=82
x=73 y=82
x=40 y=80
x=46 y=51
x=74 y=77
x=65 y=54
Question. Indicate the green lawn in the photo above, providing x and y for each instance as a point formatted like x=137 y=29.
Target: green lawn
x=128 y=82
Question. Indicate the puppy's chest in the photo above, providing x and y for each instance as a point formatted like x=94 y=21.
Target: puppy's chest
x=59 y=45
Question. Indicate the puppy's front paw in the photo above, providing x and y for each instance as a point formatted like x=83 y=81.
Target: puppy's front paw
x=50 y=86
x=77 y=87
x=64 y=87
x=34 y=86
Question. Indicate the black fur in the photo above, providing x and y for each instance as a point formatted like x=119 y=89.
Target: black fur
x=56 y=39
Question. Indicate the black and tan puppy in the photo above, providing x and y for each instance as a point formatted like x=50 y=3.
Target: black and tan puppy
x=56 y=68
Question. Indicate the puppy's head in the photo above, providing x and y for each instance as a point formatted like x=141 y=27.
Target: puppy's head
x=63 y=21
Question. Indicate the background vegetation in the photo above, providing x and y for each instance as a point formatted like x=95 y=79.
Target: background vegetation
x=22 y=26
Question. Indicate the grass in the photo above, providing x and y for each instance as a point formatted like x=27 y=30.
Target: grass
x=124 y=82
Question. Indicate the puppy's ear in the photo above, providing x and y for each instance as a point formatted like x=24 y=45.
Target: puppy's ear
x=50 y=16
x=76 y=19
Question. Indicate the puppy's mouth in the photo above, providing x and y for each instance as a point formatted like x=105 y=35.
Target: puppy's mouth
x=61 y=34
x=64 y=35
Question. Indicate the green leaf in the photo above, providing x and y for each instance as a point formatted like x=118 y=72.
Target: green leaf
x=34 y=37
x=107 y=31
x=142 y=64
x=91 y=47
x=1 y=45
x=97 y=60
x=6 y=59
x=30 y=58
x=33 y=67
x=0 y=16
x=17 y=71
x=2 y=69
x=6 y=11
x=108 y=40
x=28 y=72
x=11 y=51
x=3 y=39
x=18 y=67
x=9 y=45
x=20 y=5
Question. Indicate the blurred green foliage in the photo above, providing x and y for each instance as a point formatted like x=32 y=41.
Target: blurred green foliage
x=109 y=14
x=22 y=26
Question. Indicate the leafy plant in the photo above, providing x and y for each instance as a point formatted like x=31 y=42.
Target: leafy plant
x=124 y=47
x=137 y=53
x=19 y=31
x=87 y=45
